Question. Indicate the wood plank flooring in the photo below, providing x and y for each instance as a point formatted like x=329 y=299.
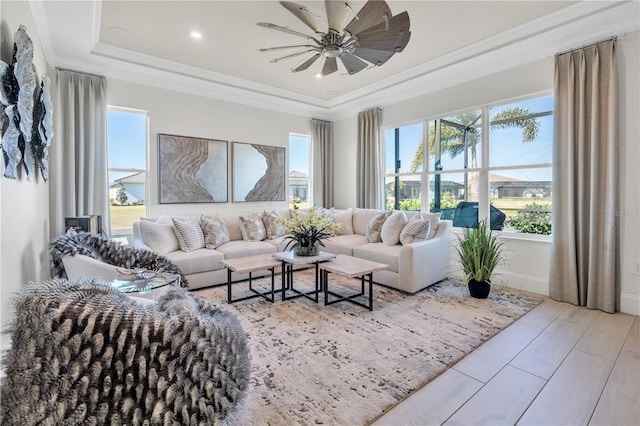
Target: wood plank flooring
x=557 y=365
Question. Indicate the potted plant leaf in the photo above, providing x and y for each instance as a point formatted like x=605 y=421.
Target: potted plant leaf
x=307 y=232
x=479 y=252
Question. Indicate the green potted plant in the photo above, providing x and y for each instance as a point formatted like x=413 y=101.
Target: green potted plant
x=306 y=232
x=479 y=252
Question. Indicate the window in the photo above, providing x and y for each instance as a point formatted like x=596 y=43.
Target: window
x=402 y=182
x=127 y=145
x=299 y=176
x=490 y=162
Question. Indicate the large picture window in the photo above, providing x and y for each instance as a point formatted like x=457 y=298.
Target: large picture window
x=127 y=141
x=488 y=163
x=299 y=170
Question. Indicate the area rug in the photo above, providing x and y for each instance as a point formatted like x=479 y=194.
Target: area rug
x=345 y=365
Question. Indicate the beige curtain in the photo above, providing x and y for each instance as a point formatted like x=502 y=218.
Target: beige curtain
x=369 y=160
x=322 y=163
x=78 y=158
x=585 y=178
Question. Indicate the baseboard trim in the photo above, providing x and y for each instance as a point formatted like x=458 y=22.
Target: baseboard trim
x=630 y=304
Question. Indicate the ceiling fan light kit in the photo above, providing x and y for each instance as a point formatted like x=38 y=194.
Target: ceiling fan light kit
x=371 y=38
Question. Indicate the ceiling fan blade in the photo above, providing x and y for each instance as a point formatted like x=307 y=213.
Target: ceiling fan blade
x=303 y=14
x=352 y=63
x=267 y=49
x=306 y=64
x=286 y=30
x=337 y=12
x=371 y=14
x=292 y=55
x=330 y=66
x=376 y=57
x=387 y=36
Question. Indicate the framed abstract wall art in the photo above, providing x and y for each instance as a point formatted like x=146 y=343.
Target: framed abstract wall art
x=192 y=170
x=258 y=172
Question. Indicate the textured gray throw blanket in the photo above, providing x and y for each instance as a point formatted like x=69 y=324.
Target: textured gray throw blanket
x=84 y=353
x=109 y=251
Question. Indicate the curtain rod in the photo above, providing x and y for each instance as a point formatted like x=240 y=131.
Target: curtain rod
x=587 y=45
x=80 y=72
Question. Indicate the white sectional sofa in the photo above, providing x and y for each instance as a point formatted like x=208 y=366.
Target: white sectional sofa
x=412 y=267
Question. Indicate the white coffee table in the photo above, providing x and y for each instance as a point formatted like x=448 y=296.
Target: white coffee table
x=250 y=264
x=351 y=267
x=289 y=262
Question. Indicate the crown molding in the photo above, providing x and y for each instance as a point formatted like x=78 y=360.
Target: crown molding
x=541 y=38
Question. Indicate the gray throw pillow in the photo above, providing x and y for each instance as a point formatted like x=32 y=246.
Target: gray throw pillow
x=252 y=227
x=215 y=231
x=374 y=227
x=272 y=228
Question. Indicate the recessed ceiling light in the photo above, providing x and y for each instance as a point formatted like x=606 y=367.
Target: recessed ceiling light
x=196 y=35
x=318 y=75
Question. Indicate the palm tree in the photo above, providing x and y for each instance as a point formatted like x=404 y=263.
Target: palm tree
x=456 y=129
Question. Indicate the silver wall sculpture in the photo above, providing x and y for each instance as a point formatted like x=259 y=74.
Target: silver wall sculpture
x=26 y=131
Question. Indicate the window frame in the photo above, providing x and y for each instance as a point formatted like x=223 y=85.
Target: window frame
x=146 y=170
x=484 y=168
x=309 y=166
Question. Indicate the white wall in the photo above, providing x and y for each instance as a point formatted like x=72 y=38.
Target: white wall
x=24 y=212
x=528 y=261
x=187 y=115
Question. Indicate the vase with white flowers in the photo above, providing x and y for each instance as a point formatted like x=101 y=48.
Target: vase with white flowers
x=306 y=232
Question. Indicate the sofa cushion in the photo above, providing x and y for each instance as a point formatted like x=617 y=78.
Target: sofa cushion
x=271 y=226
x=390 y=232
x=361 y=218
x=234 y=249
x=215 y=231
x=252 y=227
x=378 y=252
x=434 y=218
x=415 y=230
x=374 y=227
x=344 y=218
x=343 y=244
x=280 y=243
x=160 y=237
x=195 y=261
x=189 y=233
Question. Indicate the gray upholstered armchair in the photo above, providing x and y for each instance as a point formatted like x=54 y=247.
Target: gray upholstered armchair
x=78 y=255
x=84 y=353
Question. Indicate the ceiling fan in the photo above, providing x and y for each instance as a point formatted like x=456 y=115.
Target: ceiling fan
x=371 y=37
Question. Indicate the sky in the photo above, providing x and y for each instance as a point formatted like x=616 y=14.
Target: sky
x=507 y=148
x=126 y=135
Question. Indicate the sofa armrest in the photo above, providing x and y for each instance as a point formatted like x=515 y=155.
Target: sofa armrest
x=139 y=244
x=424 y=263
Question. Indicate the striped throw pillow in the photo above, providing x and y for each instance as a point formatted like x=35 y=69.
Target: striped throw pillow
x=189 y=233
x=414 y=231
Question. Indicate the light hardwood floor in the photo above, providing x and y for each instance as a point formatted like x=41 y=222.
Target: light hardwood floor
x=557 y=365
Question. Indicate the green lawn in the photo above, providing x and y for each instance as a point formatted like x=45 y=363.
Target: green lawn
x=123 y=216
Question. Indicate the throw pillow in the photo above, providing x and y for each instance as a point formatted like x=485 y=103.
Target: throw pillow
x=252 y=228
x=414 y=231
x=375 y=226
x=189 y=233
x=272 y=228
x=390 y=231
x=434 y=218
x=344 y=218
x=215 y=231
x=159 y=236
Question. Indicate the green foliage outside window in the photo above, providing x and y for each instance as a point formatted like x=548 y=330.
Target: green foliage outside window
x=533 y=219
x=121 y=196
